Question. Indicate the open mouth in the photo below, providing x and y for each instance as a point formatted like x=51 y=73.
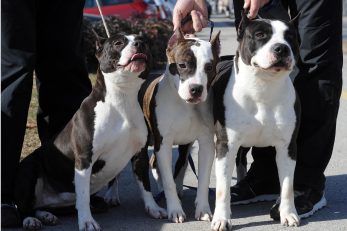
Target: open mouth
x=137 y=63
x=138 y=57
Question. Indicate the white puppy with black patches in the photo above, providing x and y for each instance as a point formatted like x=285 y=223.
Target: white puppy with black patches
x=255 y=104
x=178 y=109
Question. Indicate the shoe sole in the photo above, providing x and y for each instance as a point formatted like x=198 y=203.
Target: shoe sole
x=261 y=198
x=319 y=205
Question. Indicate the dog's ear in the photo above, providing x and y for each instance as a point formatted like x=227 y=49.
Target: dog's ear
x=294 y=20
x=99 y=41
x=215 y=43
x=242 y=26
x=176 y=38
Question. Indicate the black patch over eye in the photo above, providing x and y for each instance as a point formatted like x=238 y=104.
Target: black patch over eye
x=173 y=69
x=182 y=65
x=208 y=67
x=260 y=35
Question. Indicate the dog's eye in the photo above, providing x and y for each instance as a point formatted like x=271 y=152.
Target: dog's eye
x=182 y=65
x=118 y=43
x=208 y=68
x=260 y=35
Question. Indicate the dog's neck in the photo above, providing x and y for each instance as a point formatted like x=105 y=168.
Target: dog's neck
x=122 y=85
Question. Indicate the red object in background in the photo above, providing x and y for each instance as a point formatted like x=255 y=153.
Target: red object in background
x=120 y=8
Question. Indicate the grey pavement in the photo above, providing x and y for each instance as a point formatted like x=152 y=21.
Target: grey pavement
x=130 y=215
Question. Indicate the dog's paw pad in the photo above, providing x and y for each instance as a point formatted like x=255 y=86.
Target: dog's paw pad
x=32 y=223
x=46 y=218
x=89 y=225
x=221 y=224
x=290 y=219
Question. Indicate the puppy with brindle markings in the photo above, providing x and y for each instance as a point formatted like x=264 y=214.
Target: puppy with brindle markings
x=178 y=109
x=255 y=104
x=104 y=134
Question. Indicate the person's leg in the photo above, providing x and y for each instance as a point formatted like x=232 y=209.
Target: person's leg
x=62 y=77
x=17 y=65
x=318 y=83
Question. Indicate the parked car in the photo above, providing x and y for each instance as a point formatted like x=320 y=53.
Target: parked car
x=120 y=8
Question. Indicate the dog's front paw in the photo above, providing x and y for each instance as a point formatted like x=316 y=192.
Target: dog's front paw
x=221 y=224
x=176 y=214
x=89 y=225
x=290 y=219
x=46 y=218
x=203 y=212
x=32 y=223
x=156 y=212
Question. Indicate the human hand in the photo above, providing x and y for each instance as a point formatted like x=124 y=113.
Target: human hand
x=197 y=9
x=254 y=6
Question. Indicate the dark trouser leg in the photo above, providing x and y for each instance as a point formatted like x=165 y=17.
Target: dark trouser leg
x=319 y=85
x=17 y=65
x=61 y=70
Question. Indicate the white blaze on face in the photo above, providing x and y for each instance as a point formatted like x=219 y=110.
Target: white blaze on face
x=264 y=56
x=203 y=55
x=127 y=51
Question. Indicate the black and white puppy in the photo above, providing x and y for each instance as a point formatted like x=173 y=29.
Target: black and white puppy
x=104 y=134
x=255 y=104
x=178 y=109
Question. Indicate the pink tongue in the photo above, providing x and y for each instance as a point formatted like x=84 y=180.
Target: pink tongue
x=138 y=56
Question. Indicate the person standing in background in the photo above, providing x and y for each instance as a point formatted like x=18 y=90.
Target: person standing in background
x=37 y=37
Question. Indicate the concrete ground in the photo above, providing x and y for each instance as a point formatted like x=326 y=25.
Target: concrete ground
x=130 y=215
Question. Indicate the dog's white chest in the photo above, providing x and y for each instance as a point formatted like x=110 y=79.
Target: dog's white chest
x=120 y=132
x=180 y=121
x=259 y=117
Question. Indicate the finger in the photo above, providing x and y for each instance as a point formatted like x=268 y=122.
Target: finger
x=176 y=19
x=197 y=24
x=246 y=4
x=188 y=28
x=203 y=19
x=254 y=9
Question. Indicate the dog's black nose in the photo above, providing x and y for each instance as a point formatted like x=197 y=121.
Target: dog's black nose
x=138 y=43
x=196 y=90
x=280 y=49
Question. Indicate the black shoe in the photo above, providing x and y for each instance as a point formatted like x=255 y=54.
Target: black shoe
x=247 y=191
x=9 y=216
x=306 y=203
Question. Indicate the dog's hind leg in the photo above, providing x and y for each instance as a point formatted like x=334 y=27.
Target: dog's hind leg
x=181 y=166
x=241 y=163
x=206 y=156
x=110 y=193
x=140 y=164
x=156 y=172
